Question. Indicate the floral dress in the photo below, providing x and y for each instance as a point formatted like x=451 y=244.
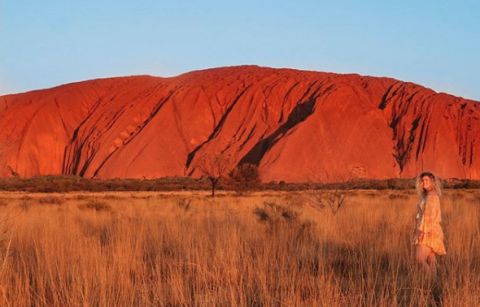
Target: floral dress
x=428 y=230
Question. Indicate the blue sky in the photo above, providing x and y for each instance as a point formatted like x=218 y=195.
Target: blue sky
x=51 y=42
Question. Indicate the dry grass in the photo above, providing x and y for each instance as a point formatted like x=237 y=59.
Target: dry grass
x=264 y=249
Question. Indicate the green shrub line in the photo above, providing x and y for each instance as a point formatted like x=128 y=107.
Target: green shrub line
x=76 y=183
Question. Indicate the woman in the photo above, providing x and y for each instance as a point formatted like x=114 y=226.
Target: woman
x=428 y=233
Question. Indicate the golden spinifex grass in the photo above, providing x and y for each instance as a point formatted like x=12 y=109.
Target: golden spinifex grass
x=263 y=249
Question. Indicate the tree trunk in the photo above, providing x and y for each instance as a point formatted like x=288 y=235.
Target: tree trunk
x=214 y=183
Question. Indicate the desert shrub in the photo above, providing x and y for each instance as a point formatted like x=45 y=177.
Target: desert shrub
x=244 y=177
x=25 y=205
x=96 y=205
x=334 y=200
x=275 y=213
x=285 y=222
x=184 y=203
x=370 y=194
x=400 y=184
x=112 y=197
x=51 y=200
x=394 y=196
x=104 y=231
x=457 y=195
x=81 y=197
x=134 y=196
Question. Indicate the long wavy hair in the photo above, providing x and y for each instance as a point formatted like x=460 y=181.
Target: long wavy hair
x=437 y=184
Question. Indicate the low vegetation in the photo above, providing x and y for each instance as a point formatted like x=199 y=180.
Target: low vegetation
x=262 y=249
x=245 y=181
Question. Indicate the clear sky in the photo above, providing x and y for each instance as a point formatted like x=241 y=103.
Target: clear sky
x=435 y=43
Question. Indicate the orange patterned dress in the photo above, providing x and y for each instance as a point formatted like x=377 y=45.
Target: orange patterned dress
x=428 y=230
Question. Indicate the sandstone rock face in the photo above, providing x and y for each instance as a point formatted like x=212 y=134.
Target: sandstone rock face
x=297 y=126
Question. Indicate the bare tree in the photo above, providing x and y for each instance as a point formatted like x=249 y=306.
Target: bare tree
x=214 y=166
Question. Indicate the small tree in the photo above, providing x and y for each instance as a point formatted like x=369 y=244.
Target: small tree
x=214 y=166
x=244 y=177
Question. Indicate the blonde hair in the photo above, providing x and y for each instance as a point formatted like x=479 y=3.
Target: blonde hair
x=437 y=183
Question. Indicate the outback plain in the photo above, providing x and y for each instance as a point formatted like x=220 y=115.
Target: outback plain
x=264 y=248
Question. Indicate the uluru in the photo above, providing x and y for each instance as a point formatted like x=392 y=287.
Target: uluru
x=296 y=126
